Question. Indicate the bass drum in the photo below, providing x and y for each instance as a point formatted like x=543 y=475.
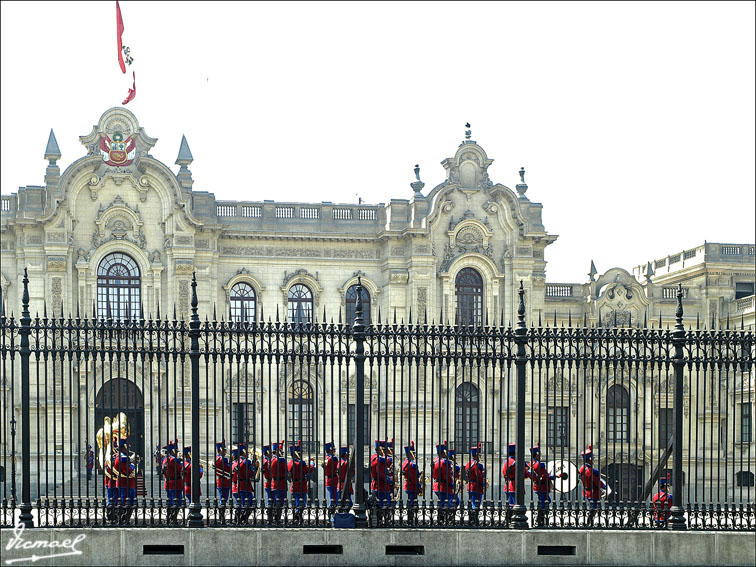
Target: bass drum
x=566 y=475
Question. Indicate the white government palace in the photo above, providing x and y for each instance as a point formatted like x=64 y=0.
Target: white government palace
x=119 y=225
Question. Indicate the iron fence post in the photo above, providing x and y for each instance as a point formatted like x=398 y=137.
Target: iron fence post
x=677 y=519
x=359 y=451
x=25 y=331
x=195 y=509
x=520 y=520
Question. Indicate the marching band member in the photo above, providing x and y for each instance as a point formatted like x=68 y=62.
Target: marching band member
x=331 y=473
x=188 y=474
x=454 y=493
x=90 y=461
x=278 y=479
x=222 y=478
x=174 y=480
x=476 y=481
x=266 y=471
x=662 y=503
x=343 y=467
x=379 y=484
x=509 y=472
x=443 y=479
x=411 y=475
x=542 y=485
x=390 y=471
x=126 y=479
x=242 y=482
x=591 y=478
x=299 y=472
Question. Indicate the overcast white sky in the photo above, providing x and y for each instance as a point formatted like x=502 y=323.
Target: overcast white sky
x=634 y=121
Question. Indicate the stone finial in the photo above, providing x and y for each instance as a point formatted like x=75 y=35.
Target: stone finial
x=522 y=187
x=52 y=151
x=468 y=131
x=649 y=271
x=592 y=273
x=417 y=185
x=185 y=155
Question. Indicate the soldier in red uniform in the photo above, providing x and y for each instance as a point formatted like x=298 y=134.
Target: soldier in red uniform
x=379 y=482
x=542 y=484
x=476 y=482
x=174 y=481
x=662 y=503
x=331 y=473
x=266 y=472
x=456 y=486
x=188 y=474
x=222 y=478
x=109 y=480
x=509 y=472
x=242 y=482
x=411 y=475
x=443 y=481
x=125 y=473
x=299 y=473
x=343 y=468
x=591 y=479
x=278 y=479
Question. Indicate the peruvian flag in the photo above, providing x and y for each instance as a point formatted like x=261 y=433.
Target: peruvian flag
x=132 y=90
x=119 y=34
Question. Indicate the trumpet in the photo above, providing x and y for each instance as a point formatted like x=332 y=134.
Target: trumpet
x=423 y=482
x=218 y=472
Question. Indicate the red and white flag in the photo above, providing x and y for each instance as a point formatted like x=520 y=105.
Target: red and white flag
x=132 y=91
x=124 y=54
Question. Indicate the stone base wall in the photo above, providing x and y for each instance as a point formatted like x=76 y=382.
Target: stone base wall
x=233 y=546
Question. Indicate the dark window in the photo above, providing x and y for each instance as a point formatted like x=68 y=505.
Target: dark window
x=300 y=304
x=666 y=426
x=118 y=287
x=351 y=298
x=469 y=294
x=243 y=303
x=744 y=478
x=466 y=411
x=352 y=424
x=243 y=422
x=746 y=422
x=743 y=289
x=301 y=415
x=617 y=414
x=558 y=426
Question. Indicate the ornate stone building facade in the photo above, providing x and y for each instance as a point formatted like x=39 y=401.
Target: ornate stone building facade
x=121 y=232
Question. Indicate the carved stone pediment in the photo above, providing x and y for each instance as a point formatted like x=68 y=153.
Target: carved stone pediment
x=119 y=221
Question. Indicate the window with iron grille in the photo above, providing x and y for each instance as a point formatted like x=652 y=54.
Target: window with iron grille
x=251 y=211
x=743 y=289
x=302 y=416
x=466 y=417
x=352 y=423
x=5 y=204
x=617 y=414
x=226 y=210
x=118 y=287
x=746 y=422
x=243 y=303
x=284 y=212
x=300 y=304
x=666 y=426
x=351 y=301
x=342 y=214
x=243 y=422
x=469 y=296
x=366 y=214
x=558 y=426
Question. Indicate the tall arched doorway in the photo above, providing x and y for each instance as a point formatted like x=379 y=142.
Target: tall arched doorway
x=123 y=396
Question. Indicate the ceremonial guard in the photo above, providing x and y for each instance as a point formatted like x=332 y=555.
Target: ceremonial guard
x=457 y=485
x=299 y=472
x=90 y=461
x=662 y=503
x=591 y=479
x=509 y=472
x=277 y=480
x=331 y=473
x=174 y=480
x=188 y=474
x=394 y=492
x=124 y=470
x=542 y=484
x=379 y=485
x=110 y=479
x=159 y=455
x=222 y=478
x=476 y=482
x=242 y=482
x=343 y=468
x=443 y=481
x=411 y=475
x=266 y=473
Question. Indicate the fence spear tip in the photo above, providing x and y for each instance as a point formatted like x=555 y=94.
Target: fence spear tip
x=44 y=309
x=728 y=321
x=410 y=316
x=698 y=321
x=277 y=317
x=569 y=319
x=394 y=315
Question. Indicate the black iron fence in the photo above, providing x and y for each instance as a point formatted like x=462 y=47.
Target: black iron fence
x=98 y=403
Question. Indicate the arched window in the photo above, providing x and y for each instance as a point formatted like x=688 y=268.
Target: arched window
x=302 y=415
x=243 y=303
x=300 y=304
x=351 y=299
x=617 y=414
x=118 y=287
x=469 y=294
x=466 y=410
